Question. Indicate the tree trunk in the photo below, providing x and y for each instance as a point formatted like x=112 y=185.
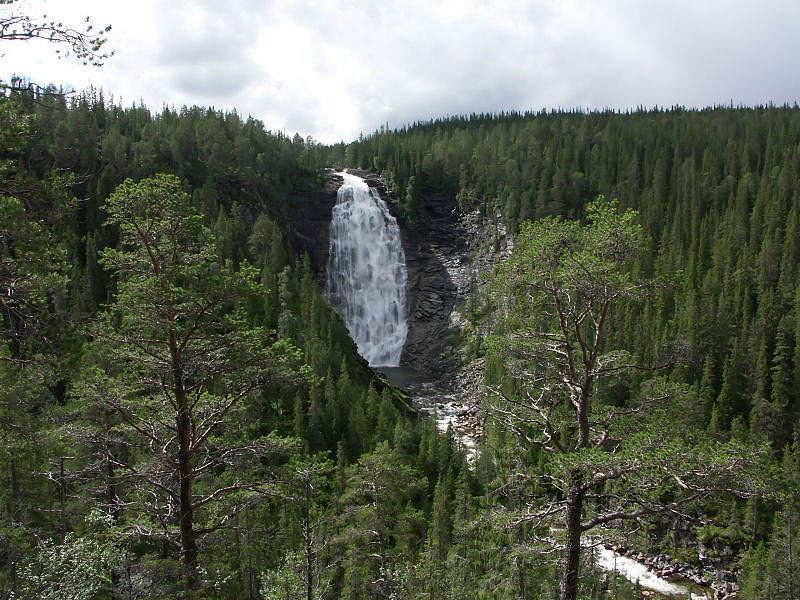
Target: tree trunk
x=111 y=489
x=307 y=533
x=188 y=540
x=572 y=544
x=520 y=568
x=520 y=579
x=14 y=489
x=62 y=497
x=791 y=557
x=185 y=474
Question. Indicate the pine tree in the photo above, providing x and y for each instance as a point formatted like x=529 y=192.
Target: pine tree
x=731 y=400
x=187 y=363
x=317 y=433
x=784 y=555
x=784 y=395
x=332 y=420
x=555 y=298
x=708 y=391
x=299 y=424
x=377 y=497
x=387 y=416
x=357 y=427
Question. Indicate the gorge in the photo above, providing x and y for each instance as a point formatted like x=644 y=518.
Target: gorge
x=368 y=283
x=288 y=464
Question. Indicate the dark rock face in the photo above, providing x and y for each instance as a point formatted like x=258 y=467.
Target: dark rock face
x=430 y=248
x=433 y=246
x=310 y=215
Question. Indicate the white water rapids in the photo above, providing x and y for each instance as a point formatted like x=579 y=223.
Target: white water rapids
x=639 y=574
x=367 y=272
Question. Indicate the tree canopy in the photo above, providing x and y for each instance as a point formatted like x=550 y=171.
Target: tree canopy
x=557 y=297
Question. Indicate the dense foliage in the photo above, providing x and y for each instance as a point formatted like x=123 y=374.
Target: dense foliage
x=717 y=192
x=176 y=389
x=303 y=474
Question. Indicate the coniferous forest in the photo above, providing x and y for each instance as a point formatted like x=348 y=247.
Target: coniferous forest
x=183 y=414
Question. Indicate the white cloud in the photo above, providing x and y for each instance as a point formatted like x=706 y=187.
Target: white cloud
x=332 y=68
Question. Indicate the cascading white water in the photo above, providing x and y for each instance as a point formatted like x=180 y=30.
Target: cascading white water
x=367 y=272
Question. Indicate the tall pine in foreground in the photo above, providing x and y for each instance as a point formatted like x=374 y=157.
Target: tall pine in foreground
x=184 y=363
x=609 y=460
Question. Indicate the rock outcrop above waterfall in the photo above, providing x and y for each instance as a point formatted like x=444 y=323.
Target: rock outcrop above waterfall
x=310 y=213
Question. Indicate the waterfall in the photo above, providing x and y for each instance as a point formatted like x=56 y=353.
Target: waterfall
x=367 y=272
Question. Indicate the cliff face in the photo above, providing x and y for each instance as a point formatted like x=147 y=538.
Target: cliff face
x=310 y=214
x=434 y=247
x=437 y=256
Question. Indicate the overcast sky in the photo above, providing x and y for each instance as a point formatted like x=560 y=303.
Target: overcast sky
x=332 y=69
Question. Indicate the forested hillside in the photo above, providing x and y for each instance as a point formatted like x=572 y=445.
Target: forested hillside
x=717 y=192
x=182 y=414
x=182 y=411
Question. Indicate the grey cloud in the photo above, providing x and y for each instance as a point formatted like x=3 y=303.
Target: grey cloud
x=414 y=60
x=212 y=81
x=202 y=51
x=334 y=68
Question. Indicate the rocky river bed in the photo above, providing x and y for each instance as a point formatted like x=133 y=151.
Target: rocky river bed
x=661 y=577
x=438 y=401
